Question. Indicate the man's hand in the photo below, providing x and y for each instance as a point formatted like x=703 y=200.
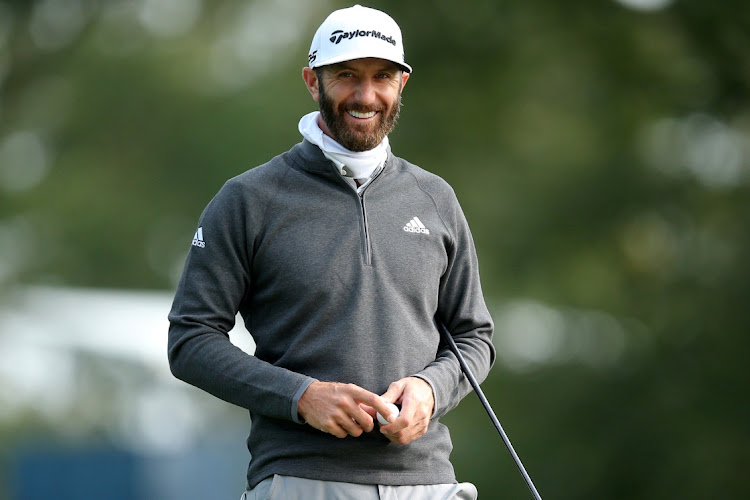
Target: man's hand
x=417 y=403
x=335 y=408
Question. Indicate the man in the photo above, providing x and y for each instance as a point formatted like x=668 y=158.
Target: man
x=341 y=259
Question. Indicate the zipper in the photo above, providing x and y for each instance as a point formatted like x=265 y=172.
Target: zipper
x=365 y=231
x=367 y=246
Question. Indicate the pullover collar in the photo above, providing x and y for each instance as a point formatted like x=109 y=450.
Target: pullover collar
x=310 y=158
x=356 y=165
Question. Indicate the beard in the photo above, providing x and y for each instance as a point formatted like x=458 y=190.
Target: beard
x=357 y=139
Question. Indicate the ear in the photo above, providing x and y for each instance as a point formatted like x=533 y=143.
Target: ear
x=404 y=76
x=311 y=81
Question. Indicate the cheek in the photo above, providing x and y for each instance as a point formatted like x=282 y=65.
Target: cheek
x=393 y=94
x=392 y=101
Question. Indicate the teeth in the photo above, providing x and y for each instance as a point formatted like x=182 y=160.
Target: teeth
x=357 y=114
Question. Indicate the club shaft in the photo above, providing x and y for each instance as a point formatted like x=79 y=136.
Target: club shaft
x=475 y=385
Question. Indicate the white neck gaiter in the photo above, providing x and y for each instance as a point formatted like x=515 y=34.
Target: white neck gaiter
x=357 y=165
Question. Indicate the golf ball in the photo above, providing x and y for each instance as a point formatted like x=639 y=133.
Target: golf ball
x=394 y=412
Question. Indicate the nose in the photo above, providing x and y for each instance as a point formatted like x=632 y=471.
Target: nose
x=366 y=92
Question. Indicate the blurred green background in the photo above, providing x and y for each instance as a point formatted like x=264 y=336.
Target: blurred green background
x=600 y=150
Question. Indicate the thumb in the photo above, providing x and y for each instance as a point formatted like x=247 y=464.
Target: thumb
x=394 y=392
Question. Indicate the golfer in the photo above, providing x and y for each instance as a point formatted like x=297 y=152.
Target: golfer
x=341 y=258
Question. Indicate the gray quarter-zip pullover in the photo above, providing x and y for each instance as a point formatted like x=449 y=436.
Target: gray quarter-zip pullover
x=333 y=286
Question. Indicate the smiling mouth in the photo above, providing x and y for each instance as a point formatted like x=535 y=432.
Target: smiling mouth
x=357 y=114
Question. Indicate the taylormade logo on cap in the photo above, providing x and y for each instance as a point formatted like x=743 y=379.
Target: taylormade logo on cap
x=355 y=33
x=339 y=35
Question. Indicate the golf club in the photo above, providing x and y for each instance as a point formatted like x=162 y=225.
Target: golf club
x=473 y=381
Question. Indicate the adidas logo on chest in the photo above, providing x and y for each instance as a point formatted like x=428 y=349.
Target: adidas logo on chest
x=415 y=226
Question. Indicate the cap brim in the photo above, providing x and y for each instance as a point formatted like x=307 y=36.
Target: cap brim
x=358 y=55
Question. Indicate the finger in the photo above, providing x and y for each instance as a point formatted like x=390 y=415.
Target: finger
x=369 y=410
x=394 y=392
x=351 y=427
x=372 y=402
x=396 y=426
x=337 y=431
x=357 y=403
x=406 y=435
x=363 y=418
x=356 y=418
x=409 y=426
x=404 y=419
x=401 y=437
x=378 y=403
x=330 y=425
x=342 y=424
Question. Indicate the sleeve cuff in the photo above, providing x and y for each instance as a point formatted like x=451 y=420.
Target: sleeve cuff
x=295 y=401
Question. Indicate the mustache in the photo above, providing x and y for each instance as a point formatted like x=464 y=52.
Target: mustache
x=361 y=108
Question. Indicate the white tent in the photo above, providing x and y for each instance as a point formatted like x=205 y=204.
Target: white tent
x=91 y=358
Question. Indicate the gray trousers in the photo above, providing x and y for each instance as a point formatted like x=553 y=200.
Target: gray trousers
x=296 y=488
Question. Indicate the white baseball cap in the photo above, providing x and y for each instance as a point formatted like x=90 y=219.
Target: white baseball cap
x=354 y=33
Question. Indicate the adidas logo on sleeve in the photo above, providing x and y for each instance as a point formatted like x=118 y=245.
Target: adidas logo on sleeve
x=198 y=239
x=415 y=226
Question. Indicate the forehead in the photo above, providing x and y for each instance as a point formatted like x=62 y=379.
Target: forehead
x=365 y=64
